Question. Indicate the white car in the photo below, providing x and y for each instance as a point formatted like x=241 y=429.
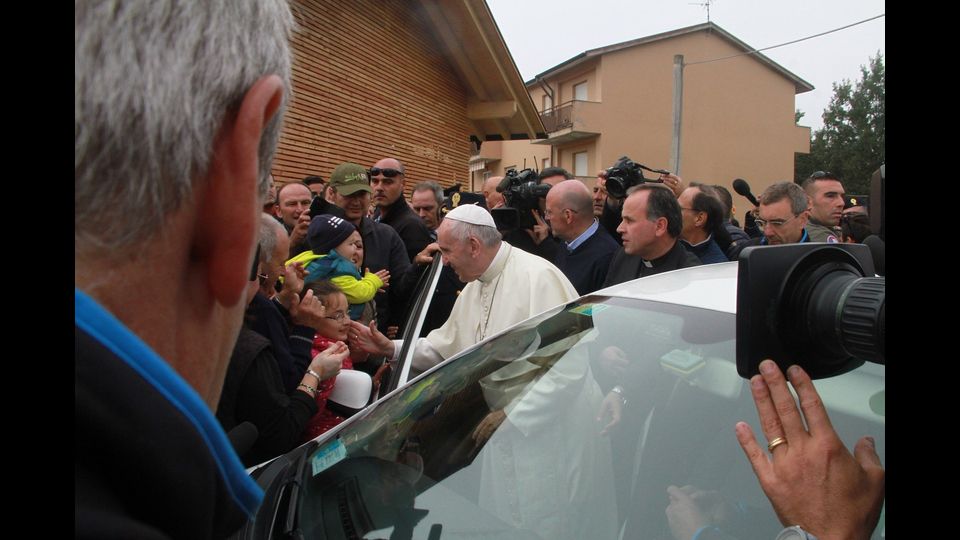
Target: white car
x=516 y=436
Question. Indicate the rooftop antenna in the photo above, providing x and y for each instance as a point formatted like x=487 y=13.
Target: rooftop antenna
x=705 y=3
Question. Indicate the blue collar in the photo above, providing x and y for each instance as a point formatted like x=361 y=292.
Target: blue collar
x=583 y=237
x=94 y=319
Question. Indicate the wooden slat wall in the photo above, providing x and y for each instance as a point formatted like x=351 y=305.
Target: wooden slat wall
x=369 y=83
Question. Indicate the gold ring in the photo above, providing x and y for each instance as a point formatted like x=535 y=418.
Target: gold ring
x=775 y=443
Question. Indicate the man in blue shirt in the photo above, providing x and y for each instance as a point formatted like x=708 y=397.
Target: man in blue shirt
x=173 y=144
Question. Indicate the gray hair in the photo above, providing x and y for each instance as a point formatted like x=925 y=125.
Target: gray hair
x=430 y=185
x=154 y=81
x=463 y=231
x=786 y=190
x=269 y=228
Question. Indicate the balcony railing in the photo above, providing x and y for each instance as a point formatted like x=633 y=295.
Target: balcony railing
x=558 y=118
x=578 y=119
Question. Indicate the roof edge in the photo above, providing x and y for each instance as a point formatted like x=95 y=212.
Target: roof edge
x=800 y=85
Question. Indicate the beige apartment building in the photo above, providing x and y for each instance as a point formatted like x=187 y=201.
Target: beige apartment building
x=737 y=117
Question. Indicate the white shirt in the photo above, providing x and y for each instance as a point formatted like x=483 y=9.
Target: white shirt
x=516 y=286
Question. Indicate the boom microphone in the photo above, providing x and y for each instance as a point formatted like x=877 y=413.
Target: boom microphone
x=743 y=188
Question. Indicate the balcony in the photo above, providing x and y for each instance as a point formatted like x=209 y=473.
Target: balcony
x=571 y=121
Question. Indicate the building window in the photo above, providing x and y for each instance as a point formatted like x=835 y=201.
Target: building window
x=545 y=163
x=580 y=164
x=547 y=103
x=580 y=91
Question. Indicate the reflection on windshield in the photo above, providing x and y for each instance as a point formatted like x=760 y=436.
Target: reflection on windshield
x=524 y=437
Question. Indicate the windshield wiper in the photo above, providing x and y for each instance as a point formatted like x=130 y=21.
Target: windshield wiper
x=291 y=491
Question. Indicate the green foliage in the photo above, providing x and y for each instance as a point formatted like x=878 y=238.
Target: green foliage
x=851 y=143
x=797 y=115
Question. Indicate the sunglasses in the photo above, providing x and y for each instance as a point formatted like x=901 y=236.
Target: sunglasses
x=819 y=175
x=389 y=173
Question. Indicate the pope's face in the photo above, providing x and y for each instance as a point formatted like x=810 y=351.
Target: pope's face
x=461 y=255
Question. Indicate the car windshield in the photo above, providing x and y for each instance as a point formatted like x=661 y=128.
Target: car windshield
x=507 y=439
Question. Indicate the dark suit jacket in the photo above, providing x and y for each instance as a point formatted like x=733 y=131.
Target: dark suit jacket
x=625 y=267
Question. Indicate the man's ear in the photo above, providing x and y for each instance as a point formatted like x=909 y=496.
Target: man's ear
x=474 y=246
x=661 y=226
x=229 y=206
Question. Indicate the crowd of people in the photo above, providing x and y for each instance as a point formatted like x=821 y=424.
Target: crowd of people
x=208 y=297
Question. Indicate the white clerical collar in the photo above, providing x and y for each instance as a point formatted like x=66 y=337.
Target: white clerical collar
x=497 y=264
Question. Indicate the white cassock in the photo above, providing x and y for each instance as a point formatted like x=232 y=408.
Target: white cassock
x=547 y=469
x=516 y=286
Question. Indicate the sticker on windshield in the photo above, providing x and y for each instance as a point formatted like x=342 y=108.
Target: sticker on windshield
x=682 y=362
x=328 y=457
x=589 y=309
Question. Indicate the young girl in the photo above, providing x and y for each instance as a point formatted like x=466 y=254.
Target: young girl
x=334 y=328
x=336 y=254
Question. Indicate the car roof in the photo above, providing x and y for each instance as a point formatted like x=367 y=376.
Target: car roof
x=709 y=286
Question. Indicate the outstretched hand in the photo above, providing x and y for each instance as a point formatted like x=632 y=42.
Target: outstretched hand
x=329 y=361
x=611 y=406
x=811 y=479
x=426 y=256
x=289 y=295
x=309 y=311
x=370 y=339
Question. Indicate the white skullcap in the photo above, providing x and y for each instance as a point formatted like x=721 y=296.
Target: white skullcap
x=471 y=213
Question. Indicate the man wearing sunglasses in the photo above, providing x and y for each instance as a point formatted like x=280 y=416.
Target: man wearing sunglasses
x=826 y=206
x=387 y=181
x=782 y=217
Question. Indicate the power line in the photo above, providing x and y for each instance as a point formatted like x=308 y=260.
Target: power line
x=787 y=43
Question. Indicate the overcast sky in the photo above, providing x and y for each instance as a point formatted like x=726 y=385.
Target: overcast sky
x=544 y=33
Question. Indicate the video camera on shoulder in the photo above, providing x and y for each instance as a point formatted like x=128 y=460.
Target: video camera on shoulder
x=626 y=173
x=521 y=193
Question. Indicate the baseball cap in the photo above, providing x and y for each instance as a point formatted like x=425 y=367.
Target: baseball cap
x=349 y=178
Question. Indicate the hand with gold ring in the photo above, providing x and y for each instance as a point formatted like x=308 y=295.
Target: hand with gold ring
x=813 y=481
x=674 y=182
x=775 y=443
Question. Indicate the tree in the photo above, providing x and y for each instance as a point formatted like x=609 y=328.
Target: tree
x=851 y=143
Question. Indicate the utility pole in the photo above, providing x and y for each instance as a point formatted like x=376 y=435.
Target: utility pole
x=677 y=113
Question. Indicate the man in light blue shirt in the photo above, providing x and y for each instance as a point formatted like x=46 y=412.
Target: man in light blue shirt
x=589 y=247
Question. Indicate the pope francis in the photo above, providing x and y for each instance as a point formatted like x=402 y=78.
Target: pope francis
x=505 y=285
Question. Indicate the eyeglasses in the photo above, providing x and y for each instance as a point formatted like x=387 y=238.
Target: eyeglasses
x=338 y=316
x=775 y=223
x=389 y=173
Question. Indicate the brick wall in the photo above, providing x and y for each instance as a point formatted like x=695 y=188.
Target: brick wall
x=368 y=82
